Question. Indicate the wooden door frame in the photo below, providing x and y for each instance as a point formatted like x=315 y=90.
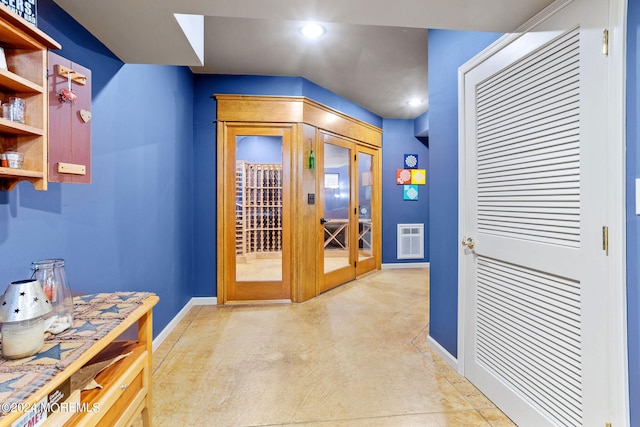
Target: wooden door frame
x=226 y=209
x=348 y=273
x=373 y=263
x=615 y=121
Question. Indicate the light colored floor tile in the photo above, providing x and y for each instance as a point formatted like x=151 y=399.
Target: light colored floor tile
x=444 y=419
x=496 y=418
x=353 y=356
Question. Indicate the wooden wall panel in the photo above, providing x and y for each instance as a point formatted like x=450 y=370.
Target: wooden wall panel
x=325 y=118
x=275 y=109
x=280 y=109
x=307 y=222
x=69 y=134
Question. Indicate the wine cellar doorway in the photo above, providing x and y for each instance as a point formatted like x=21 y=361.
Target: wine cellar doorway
x=261 y=212
x=272 y=183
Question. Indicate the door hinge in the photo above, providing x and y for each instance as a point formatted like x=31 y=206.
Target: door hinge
x=607 y=425
x=355 y=157
x=605 y=42
x=355 y=211
x=605 y=239
x=355 y=264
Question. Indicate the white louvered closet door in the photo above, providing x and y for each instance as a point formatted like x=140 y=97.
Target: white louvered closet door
x=534 y=204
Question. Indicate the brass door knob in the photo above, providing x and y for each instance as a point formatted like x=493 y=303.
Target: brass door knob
x=468 y=242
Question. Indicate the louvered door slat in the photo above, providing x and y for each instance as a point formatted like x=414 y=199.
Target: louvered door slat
x=542 y=176
x=569 y=162
x=540 y=65
x=515 y=215
x=529 y=348
x=560 y=133
x=545 y=157
x=548 y=183
x=563 y=104
x=528 y=327
x=553 y=79
x=540 y=122
x=524 y=151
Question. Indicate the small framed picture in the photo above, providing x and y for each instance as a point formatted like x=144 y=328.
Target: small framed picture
x=331 y=180
x=3 y=59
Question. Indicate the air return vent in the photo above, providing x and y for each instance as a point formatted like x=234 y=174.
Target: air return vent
x=410 y=241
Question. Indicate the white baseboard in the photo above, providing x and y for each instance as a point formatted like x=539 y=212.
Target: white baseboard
x=159 y=339
x=452 y=361
x=405 y=265
x=204 y=301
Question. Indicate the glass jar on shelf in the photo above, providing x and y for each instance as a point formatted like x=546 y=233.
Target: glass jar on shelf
x=18 y=108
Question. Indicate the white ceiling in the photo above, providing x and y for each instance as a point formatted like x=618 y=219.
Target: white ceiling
x=374 y=52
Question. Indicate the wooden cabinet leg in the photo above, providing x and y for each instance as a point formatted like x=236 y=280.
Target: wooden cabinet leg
x=145 y=336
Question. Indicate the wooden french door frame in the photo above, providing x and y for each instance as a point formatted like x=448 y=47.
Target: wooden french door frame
x=331 y=279
x=356 y=267
x=229 y=289
x=372 y=263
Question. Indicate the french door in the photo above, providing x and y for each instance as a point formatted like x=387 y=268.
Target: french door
x=534 y=259
x=338 y=224
x=256 y=222
x=367 y=203
x=348 y=202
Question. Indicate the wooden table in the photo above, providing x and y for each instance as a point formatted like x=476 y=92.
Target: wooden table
x=126 y=391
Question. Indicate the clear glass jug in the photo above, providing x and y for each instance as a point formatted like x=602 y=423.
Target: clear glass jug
x=50 y=273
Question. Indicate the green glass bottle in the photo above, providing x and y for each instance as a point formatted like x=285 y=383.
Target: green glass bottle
x=312 y=160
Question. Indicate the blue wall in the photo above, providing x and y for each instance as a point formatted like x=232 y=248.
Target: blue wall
x=397 y=140
x=421 y=125
x=633 y=222
x=130 y=229
x=448 y=50
x=259 y=149
x=147 y=222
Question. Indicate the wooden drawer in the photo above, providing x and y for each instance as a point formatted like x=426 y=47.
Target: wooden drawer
x=124 y=390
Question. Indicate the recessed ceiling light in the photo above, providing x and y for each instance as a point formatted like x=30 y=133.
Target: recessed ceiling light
x=415 y=102
x=312 y=30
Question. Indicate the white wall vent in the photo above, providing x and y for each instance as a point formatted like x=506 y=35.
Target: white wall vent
x=410 y=241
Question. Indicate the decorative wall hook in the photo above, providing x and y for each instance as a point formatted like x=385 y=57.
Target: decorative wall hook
x=67 y=94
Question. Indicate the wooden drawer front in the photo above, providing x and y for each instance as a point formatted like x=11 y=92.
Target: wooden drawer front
x=118 y=413
x=122 y=381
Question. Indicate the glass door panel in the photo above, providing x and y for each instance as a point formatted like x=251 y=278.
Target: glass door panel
x=256 y=225
x=365 y=206
x=337 y=201
x=338 y=221
x=368 y=199
x=258 y=208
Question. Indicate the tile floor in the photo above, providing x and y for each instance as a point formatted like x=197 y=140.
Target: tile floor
x=354 y=356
